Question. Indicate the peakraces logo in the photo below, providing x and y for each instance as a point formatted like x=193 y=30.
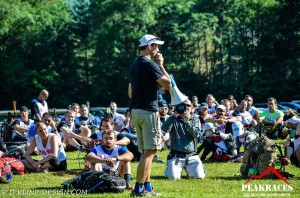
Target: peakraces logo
x=267 y=190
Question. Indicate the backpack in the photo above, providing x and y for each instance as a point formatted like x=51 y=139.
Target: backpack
x=17 y=167
x=96 y=182
x=259 y=155
x=7 y=129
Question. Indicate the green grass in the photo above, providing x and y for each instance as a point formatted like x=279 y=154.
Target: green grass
x=220 y=181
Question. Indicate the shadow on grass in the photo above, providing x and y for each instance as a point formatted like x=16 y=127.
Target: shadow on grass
x=69 y=173
x=236 y=178
x=48 y=188
x=159 y=177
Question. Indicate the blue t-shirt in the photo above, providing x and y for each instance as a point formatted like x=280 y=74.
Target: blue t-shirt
x=87 y=121
x=121 y=151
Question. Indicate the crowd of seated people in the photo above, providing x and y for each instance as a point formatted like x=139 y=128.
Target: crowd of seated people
x=223 y=130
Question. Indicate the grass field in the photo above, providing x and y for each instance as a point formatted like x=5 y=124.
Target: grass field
x=220 y=181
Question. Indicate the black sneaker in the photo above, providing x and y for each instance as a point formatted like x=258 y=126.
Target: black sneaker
x=135 y=194
x=82 y=148
x=158 y=160
x=3 y=181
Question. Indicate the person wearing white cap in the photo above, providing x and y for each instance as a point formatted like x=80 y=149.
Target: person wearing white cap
x=292 y=146
x=213 y=142
x=203 y=112
x=220 y=120
x=241 y=135
x=144 y=77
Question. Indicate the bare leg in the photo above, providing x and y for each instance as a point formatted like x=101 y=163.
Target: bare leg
x=124 y=168
x=70 y=141
x=27 y=165
x=298 y=155
x=96 y=167
x=144 y=167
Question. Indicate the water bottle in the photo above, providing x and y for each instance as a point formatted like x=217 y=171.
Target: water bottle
x=7 y=170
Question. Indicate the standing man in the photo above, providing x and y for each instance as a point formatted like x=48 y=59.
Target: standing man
x=145 y=76
x=39 y=106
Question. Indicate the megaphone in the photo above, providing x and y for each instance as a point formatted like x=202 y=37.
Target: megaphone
x=176 y=96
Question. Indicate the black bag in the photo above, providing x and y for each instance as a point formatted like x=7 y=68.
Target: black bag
x=96 y=182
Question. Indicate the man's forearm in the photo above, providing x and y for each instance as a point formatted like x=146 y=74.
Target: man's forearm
x=94 y=159
x=127 y=157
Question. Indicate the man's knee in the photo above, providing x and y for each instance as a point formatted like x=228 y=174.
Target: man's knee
x=96 y=167
x=170 y=174
x=173 y=169
x=149 y=152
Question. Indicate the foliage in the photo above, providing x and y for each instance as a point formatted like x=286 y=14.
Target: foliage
x=81 y=50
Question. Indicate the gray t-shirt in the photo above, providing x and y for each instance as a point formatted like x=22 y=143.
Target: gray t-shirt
x=183 y=136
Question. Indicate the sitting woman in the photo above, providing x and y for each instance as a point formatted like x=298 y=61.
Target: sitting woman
x=51 y=149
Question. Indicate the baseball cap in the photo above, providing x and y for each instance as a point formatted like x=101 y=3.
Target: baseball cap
x=203 y=105
x=23 y=108
x=221 y=107
x=237 y=128
x=292 y=120
x=249 y=138
x=208 y=126
x=148 y=39
x=163 y=105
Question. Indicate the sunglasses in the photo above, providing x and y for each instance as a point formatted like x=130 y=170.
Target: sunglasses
x=248 y=100
x=45 y=95
x=163 y=108
x=153 y=39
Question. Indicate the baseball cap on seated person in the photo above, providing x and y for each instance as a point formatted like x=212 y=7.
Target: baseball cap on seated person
x=237 y=128
x=203 y=105
x=149 y=39
x=23 y=108
x=221 y=107
x=208 y=126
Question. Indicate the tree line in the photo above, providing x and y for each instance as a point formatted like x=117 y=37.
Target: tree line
x=81 y=50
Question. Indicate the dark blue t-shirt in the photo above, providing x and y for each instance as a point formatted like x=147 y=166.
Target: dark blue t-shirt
x=142 y=76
